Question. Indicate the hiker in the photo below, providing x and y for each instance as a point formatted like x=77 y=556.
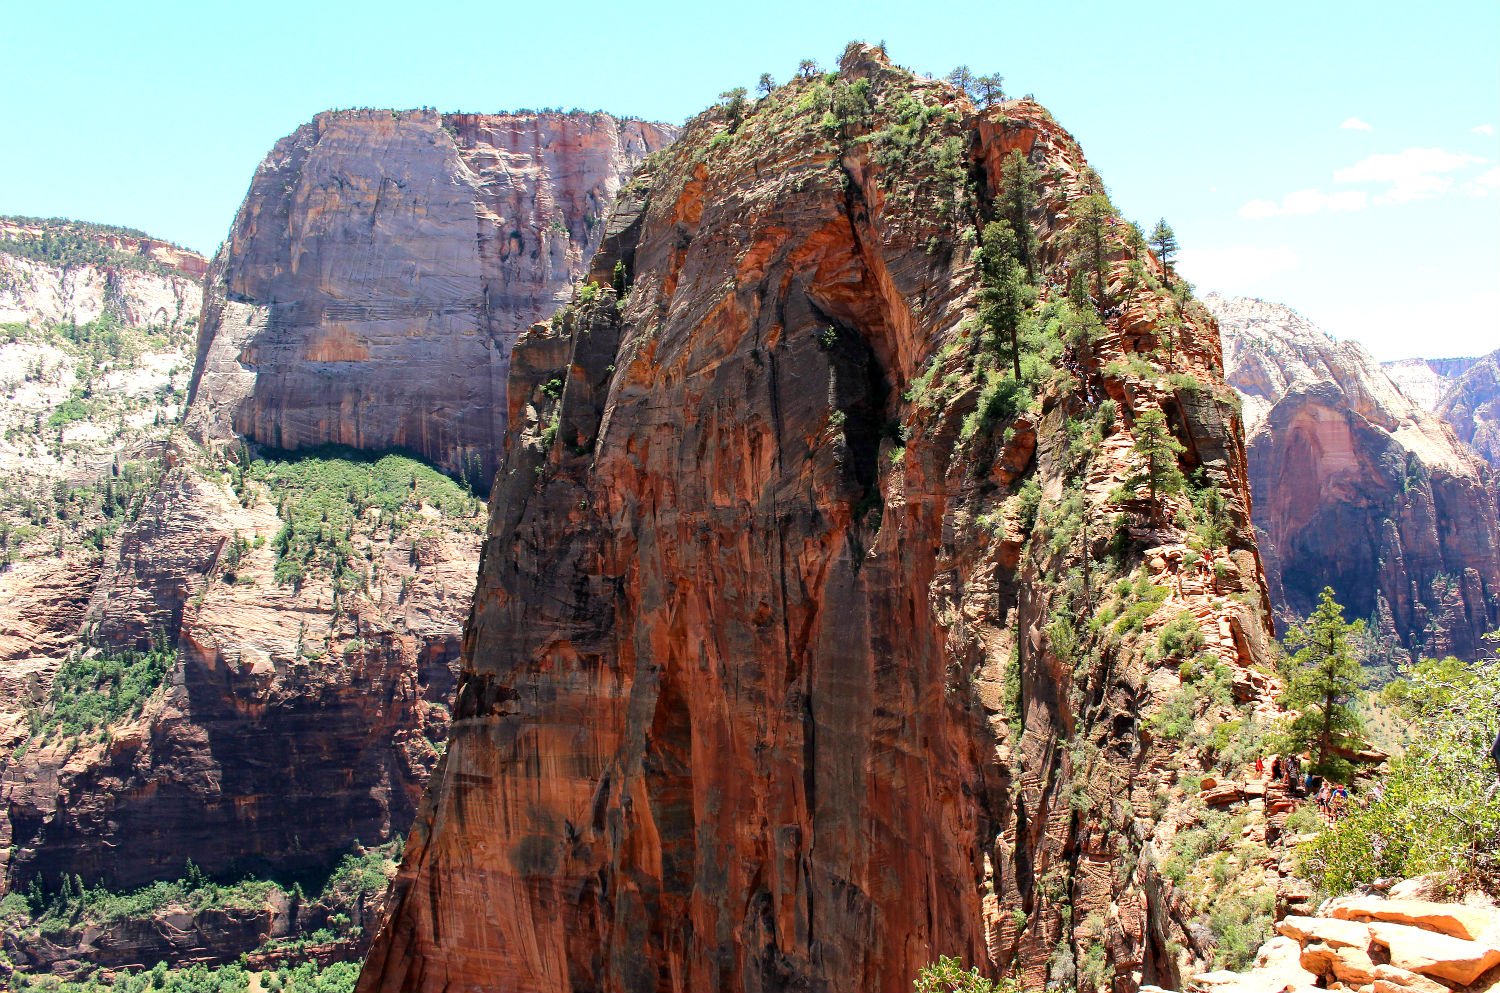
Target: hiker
x=1260 y=766
x=1495 y=753
x=1276 y=769
x=1340 y=800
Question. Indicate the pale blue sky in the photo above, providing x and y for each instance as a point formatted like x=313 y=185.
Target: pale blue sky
x=1224 y=118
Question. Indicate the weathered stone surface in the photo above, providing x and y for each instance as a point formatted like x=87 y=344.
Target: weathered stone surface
x=721 y=724
x=1331 y=932
x=1437 y=955
x=1357 y=487
x=1455 y=919
x=383 y=264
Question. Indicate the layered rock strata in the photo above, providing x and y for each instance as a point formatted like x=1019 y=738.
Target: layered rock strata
x=381 y=267
x=781 y=673
x=1359 y=488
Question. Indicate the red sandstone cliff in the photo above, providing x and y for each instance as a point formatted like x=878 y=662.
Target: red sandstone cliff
x=1359 y=488
x=388 y=256
x=791 y=667
x=383 y=264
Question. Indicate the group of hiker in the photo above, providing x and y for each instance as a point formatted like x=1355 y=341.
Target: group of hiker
x=1331 y=798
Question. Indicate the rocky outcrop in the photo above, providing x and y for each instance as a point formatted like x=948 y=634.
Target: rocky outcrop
x=299 y=719
x=777 y=675
x=381 y=267
x=1359 y=488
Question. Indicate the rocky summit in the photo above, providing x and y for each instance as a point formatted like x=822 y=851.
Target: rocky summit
x=383 y=264
x=811 y=643
x=1360 y=487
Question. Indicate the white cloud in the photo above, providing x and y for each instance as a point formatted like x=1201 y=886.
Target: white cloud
x=1355 y=124
x=1484 y=129
x=1235 y=268
x=1304 y=202
x=1484 y=184
x=1411 y=174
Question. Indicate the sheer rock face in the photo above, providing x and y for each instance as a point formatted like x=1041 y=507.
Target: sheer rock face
x=1471 y=403
x=1359 y=488
x=734 y=708
x=295 y=723
x=381 y=267
x=372 y=285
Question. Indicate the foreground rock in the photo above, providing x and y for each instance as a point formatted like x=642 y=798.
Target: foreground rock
x=1376 y=945
x=773 y=681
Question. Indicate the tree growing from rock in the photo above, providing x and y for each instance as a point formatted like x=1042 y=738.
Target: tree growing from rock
x=1095 y=213
x=1157 y=449
x=734 y=106
x=766 y=84
x=990 y=89
x=1324 y=678
x=1018 y=181
x=1164 y=241
x=1005 y=291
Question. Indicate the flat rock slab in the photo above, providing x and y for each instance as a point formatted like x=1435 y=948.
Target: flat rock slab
x=1331 y=932
x=1455 y=920
x=1438 y=955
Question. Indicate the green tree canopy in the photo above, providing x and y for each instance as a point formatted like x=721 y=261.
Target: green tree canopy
x=1018 y=181
x=1164 y=240
x=1005 y=292
x=1157 y=448
x=1324 y=678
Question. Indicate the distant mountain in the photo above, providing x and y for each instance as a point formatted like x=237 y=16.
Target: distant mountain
x=1359 y=486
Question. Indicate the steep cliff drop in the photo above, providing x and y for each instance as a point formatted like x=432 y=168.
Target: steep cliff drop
x=308 y=604
x=381 y=268
x=1359 y=488
x=810 y=644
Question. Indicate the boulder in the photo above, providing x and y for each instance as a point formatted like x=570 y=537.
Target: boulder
x=1331 y=932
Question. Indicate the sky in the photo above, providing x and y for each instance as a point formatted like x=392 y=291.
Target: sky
x=1341 y=158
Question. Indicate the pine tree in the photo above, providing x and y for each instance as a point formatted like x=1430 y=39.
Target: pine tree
x=1157 y=449
x=734 y=106
x=1323 y=680
x=991 y=89
x=766 y=84
x=1018 y=180
x=1005 y=292
x=807 y=68
x=1164 y=240
x=1095 y=213
x=962 y=78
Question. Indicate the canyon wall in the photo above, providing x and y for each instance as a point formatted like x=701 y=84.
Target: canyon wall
x=1358 y=487
x=381 y=267
x=809 y=645
x=311 y=602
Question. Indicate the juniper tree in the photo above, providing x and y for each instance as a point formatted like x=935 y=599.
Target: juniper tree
x=807 y=68
x=734 y=106
x=766 y=84
x=1324 y=678
x=1164 y=240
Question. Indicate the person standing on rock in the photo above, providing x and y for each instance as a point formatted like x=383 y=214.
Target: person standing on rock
x=1276 y=769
